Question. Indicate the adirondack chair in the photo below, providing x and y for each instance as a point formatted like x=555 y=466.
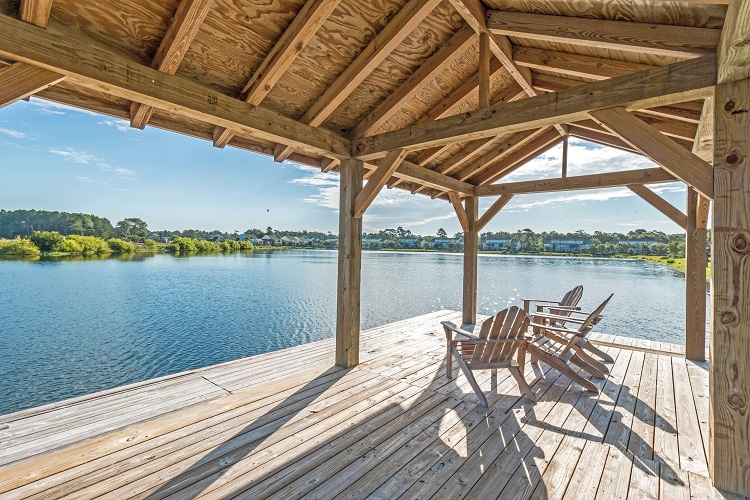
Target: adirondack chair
x=564 y=309
x=558 y=346
x=498 y=340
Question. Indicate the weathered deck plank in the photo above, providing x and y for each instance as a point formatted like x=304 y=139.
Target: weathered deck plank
x=289 y=424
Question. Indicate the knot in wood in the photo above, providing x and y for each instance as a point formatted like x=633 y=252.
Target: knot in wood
x=360 y=147
x=733 y=159
x=740 y=244
x=300 y=46
x=736 y=401
x=728 y=318
x=729 y=106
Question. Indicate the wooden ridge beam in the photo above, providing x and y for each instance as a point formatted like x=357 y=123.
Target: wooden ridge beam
x=660 y=204
x=463 y=217
x=593 y=181
x=493 y=211
x=186 y=22
x=35 y=12
x=658 y=39
x=376 y=182
x=665 y=85
x=680 y=162
x=19 y=81
x=454 y=47
x=101 y=70
x=689 y=112
x=538 y=143
x=594 y=68
x=295 y=38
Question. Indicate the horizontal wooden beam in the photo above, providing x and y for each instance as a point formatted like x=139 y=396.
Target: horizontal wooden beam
x=19 y=81
x=660 y=204
x=186 y=22
x=493 y=211
x=104 y=71
x=594 y=181
x=376 y=182
x=658 y=39
x=594 y=68
x=680 y=162
x=665 y=85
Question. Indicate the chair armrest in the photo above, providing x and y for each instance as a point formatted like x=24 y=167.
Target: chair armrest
x=487 y=341
x=566 y=319
x=452 y=328
x=562 y=308
x=557 y=329
x=539 y=300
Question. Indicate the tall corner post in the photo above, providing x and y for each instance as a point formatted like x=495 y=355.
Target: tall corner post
x=695 y=280
x=471 y=249
x=350 y=265
x=729 y=368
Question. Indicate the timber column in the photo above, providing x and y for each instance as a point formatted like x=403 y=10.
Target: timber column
x=350 y=265
x=729 y=372
x=695 y=276
x=471 y=248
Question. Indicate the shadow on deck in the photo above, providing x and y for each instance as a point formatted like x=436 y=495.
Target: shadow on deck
x=287 y=424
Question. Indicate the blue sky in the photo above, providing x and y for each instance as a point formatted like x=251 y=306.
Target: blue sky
x=60 y=158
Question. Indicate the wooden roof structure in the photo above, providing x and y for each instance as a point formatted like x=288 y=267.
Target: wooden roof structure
x=443 y=98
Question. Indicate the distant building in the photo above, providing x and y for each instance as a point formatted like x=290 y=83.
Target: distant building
x=638 y=242
x=500 y=244
x=444 y=243
x=270 y=240
x=565 y=245
x=407 y=242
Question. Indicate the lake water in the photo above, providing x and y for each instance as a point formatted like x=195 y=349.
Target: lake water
x=69 y=328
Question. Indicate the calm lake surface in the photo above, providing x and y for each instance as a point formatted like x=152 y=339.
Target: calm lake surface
x=69 y=328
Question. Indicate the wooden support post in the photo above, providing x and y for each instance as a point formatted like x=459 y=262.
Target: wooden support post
x=484 y=70
x=729 y=377
x=565 y=155
x=471 y=249
x=695 y=281
x=350 y=263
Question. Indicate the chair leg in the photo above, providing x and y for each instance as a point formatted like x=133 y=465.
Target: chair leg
x=522 y=356
x=522 y=384
x=470 y=377
x=534 y=356
x=566 y=370
x=598 y=352
x=449 y=363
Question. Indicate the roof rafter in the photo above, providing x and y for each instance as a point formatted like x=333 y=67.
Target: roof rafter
x=94 y=68
x=659 y=39
x=295 y=38
x=36 y=12
x=390 y=37
x=605 y=139
x=433 y=66
x=595 y=68
x=665 y=85
x=187 y=21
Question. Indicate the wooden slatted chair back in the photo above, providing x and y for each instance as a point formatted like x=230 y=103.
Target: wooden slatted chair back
x=571 y=299
x=509 y=324
x=587 y=325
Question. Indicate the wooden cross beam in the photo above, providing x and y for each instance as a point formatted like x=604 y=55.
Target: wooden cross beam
x=493 y=211
x=660 y=204
x=674 y=158
x=658 y=39
x=187 y=21
x=594 y=181
x=665 y=85
x=19 y=81
x=376 y=182
x=36 y=12
x=295 y=38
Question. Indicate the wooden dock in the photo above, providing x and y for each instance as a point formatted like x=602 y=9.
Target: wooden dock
x=289 y=424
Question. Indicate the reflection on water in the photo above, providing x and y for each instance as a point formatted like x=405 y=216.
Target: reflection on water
x=71 y=327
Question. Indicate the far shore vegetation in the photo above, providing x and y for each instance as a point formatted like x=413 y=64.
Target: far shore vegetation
x=34 y=233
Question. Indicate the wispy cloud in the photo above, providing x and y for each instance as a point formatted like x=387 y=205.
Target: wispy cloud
x=119 y=125
x=74 y=156
x=13 y=133
x=55 y=108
